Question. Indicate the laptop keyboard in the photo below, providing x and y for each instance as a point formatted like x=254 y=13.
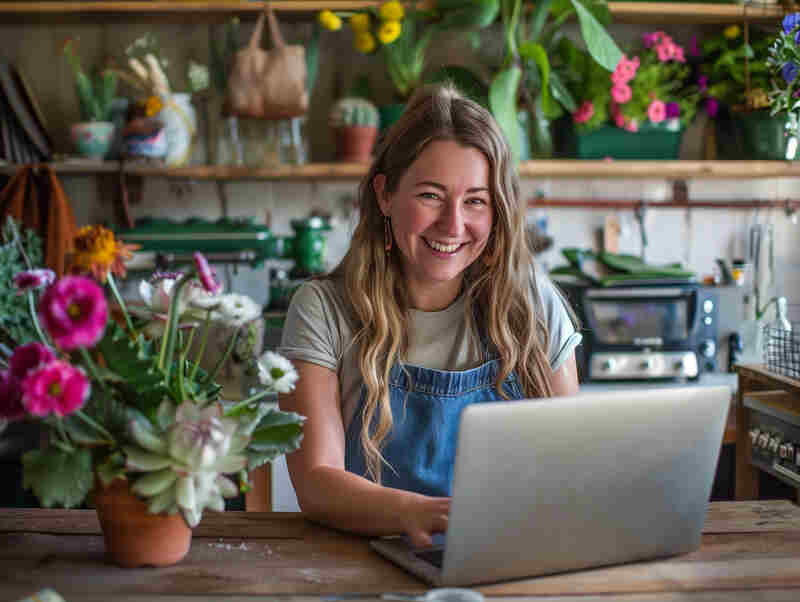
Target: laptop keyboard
x=434 y=557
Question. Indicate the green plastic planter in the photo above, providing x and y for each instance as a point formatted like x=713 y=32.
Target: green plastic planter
x=650 y=142
x=754 y=135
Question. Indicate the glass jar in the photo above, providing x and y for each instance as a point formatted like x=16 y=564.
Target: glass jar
x=260 y=142
x=180 y=128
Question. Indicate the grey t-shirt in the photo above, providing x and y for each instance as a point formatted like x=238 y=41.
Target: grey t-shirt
x=318 y=329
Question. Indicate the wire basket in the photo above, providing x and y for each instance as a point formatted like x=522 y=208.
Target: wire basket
x=782 y=350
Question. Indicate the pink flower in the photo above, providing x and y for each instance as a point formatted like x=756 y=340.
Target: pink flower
x=666 y=51
x=620 y=120
x=206 y=274
x=679 y=56
x=33 y=279
x=621 y=93
x=651 y=39
x=55 y=388
x=625 y=70
x=584 y=112
x=28 y=357
x=632 y=126
x=74 y=312
x=657 y=111
x=10 y=397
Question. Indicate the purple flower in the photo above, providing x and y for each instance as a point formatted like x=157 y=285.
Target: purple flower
x=33 y=279
x=694 y=49
x=712 y=106
x=797 y=38
x=702 y=83
x=156 y=276
x=28 y=357
x=55 y=388
x=789 y=72
x=74 y=312
x=206 y=274
x=790 y=22
x=796 y=94
x=673 y=110
x=10 y=397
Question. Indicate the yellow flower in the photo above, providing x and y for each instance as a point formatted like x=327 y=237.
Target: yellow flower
x=732 y=32
x=391 y=11
x=153 y=105
x=389 y=31
x=364 y=42
x=97 y=251
x=359 y=22
x=330 y=21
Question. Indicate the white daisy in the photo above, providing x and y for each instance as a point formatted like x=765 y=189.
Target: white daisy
x=237 y=310
x=276 y=372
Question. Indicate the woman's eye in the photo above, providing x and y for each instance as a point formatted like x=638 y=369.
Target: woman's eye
x=429 y=195
x=477 y=201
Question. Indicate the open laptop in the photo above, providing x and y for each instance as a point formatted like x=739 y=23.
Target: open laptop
x=546 y=486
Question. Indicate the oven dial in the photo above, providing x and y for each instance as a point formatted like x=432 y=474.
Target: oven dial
x=646 y=364
x=708 y=306
x=609 y=364
x=708 y=348
x=679 y=365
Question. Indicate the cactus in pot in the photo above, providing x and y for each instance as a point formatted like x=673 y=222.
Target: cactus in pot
x=355 y=124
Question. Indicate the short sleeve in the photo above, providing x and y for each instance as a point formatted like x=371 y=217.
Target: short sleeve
x=563 y=336
x=310 y=333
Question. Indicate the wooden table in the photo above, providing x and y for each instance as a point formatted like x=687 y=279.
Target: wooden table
x=750 y=551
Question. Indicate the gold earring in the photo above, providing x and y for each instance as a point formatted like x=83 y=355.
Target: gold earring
x=387 y=234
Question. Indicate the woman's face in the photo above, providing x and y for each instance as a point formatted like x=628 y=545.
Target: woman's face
x=441 y=216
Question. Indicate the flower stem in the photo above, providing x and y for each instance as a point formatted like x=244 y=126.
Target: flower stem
x=35 y=318
x=112 y=284
x=171 y=334
x=203 y=342
x=95 y=425
x=63 y=443
x=245 y=402
x=225 y=357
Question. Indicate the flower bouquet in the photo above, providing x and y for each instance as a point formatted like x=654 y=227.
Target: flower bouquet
x=648 y=93
x=784 y=65
x=123 y=402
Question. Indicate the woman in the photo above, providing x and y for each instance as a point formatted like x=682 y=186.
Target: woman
x=435 y=306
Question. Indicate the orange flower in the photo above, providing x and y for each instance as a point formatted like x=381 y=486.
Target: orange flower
x=153 y=106
x=97 y=252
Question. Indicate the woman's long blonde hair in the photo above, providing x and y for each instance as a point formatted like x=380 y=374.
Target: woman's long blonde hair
x=499 y=286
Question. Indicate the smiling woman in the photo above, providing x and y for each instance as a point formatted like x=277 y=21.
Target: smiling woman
x=436 y=305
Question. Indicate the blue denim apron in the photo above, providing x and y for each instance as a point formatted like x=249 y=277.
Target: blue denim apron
x=422 y=444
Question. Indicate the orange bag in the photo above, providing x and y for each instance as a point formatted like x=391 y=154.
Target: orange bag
x=268 y=84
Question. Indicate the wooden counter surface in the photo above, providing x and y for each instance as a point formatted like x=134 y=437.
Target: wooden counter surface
x=750 y=551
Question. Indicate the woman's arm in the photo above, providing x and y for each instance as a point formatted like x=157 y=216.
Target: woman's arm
x=565 y=380
x=326 y=492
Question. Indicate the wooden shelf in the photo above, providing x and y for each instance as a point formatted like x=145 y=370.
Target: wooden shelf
x=553 y=168
x=623 y=12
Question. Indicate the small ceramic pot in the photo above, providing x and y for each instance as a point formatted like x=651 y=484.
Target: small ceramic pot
x=354 y=143
x=92 y=139
x=134 y=537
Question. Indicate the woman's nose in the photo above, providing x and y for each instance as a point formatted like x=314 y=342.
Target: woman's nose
x=451 y=220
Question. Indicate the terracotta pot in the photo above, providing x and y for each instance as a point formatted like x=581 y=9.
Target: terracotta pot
x=133 y=536
x=354 y=143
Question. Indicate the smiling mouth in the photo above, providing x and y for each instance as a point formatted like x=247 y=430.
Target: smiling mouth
x=443 y=248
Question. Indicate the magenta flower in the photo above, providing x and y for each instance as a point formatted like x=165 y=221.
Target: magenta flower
x=620 y=120
x=206 y=274
x=10 y=397
x=625 y=70
x=694 y=49
x=55 y=388
x=651 y=39
x=29 y=280
x=584 y=112
x=712 y=107
x=621 y=93
x=74 y=312
x=657 y=111
x=679 y=56
x=702 y=83
x=666 y=51
x=673 y=110
x=28 y=357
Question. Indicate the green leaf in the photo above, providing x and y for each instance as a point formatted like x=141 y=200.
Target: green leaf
x=536 y=53
x=598 y=42
x=503 y=102
x=561 y=93
x=467 y=14
x=278 y=439
x=142 y=461
x=58 y=477
x=80 y=432
x=538 y=18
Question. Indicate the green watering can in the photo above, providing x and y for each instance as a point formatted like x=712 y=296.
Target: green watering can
x=307 y=247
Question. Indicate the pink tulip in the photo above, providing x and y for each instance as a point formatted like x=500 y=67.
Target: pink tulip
x=33 y=279
x=621 y=93
x=657 y=111
x=74 y=312
x=206 y=274
x=55 y=388
x=28 y=357
x=584 y=112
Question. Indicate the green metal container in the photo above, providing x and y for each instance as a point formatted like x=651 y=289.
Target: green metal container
x=307 y=247
x=652 y=141
x=753 y=135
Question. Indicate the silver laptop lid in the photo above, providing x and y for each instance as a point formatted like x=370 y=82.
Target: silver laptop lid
x=551 y=485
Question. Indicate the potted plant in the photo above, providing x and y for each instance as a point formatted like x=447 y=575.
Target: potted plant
x=355 y=124
x=133 y=422
x=784 y=66
x=734 y=81
x=92 y=137
x=638 y=112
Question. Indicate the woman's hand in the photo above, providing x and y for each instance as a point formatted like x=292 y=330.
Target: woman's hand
x=423 y=516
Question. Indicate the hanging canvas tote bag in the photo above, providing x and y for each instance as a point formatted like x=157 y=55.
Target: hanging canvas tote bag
x=268 y=84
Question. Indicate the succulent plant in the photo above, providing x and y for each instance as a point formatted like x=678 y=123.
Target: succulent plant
x=184 y=455
x=353 y=110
